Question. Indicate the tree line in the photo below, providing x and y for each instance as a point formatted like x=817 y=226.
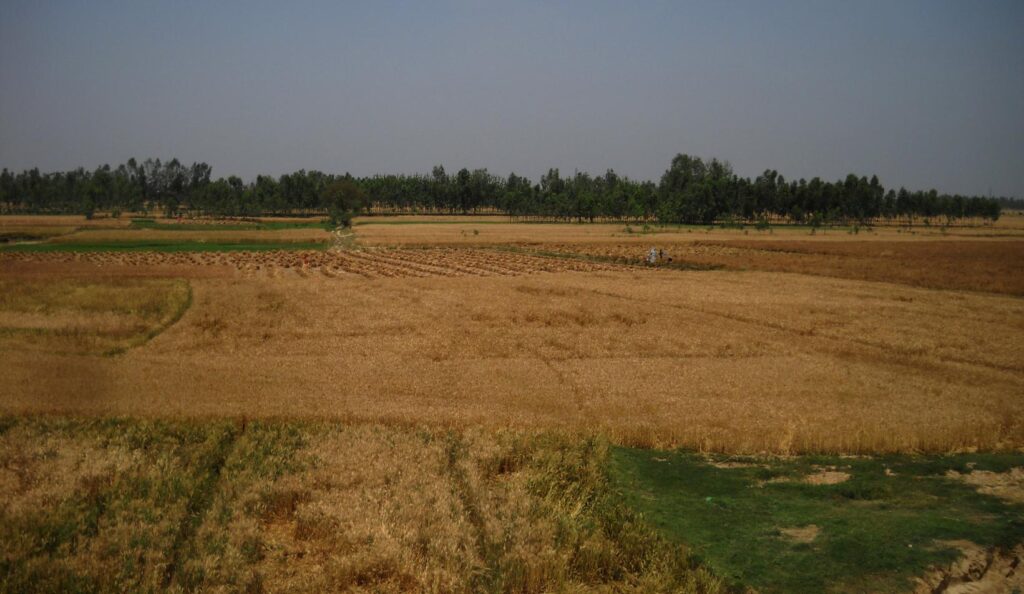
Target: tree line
x=692 y=190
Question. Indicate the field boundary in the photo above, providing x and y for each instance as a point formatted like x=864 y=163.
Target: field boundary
x=153 y=333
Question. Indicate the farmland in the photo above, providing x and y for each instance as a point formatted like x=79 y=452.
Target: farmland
x=126 y=505
x=520 y=378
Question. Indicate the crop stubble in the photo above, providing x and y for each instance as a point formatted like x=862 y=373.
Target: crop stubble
x=368 y=263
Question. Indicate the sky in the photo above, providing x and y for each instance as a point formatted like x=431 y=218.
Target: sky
x=925 y=94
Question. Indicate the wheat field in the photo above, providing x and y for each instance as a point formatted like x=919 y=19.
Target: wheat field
x=116 y=506
x=425 y=408
x=713 y=360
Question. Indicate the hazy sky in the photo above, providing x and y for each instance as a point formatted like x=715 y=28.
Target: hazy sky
x=925 y=94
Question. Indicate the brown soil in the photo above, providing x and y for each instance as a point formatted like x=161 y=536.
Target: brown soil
x=803 y=534
x=1005 y=485
x=977 y=571
x=731 y=464
x=974 y=265
x=821 y=476
x=827 y=477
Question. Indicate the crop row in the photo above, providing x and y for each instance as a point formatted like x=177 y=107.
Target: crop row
x=371 y=263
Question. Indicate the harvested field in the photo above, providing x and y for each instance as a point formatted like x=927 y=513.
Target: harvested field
x=14 y=233
x=979 y=265
x=731 y=361
x=40 y=228
x=370 y=263
x=72 y=221
x=498 y=231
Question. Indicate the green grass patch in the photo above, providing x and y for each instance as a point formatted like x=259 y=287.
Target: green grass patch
x=876 y=530
x=151 y=245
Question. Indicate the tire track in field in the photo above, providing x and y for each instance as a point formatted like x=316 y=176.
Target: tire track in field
x=199 y=501
x=489 y=578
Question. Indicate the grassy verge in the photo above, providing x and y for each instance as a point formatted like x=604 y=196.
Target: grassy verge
x=759 y=522
x=129 y=245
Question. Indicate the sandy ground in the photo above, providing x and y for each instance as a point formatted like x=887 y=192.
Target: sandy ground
x=741 y=362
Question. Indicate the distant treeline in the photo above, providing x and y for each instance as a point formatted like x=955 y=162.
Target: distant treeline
x=692 y=190
x=1011 y=203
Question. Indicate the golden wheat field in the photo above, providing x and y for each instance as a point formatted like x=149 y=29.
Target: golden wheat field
x=500 y=230
x=435 y=406
x=784 y=357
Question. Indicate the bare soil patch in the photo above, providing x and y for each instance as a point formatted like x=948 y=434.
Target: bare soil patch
x=977 y=571
x=827 y=476
x=1005 y=485
x=801 y=534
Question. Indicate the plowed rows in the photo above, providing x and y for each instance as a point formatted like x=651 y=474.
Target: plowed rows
x=374 y=263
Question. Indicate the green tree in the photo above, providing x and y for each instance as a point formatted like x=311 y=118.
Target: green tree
x=343 y=200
